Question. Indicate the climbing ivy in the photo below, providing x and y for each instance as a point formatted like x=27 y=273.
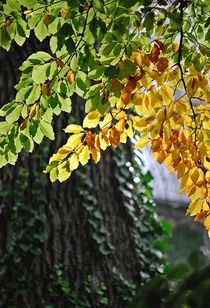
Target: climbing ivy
x=28 y=235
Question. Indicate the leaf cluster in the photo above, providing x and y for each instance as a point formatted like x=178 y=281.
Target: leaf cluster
x=141 y=66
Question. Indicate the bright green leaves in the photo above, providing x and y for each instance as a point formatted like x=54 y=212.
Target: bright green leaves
x=13 y=28
x=4 y=127
x=11 y=111
x=91 y=49
x=47 y=129
x=14 y=5
x=41 y=30
x=43 y=72
x=82 y=83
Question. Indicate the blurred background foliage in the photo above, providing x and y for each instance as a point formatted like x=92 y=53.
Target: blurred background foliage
x=184 y=285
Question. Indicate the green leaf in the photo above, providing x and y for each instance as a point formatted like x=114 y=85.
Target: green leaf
x=98 y=6
x=179 y=271
x=64 y=171
x=39 y=135
x=14 y=4
x=28 y=3
x=5 y=41
x=22 y=32
x=34 y=94
x=65 y=103
x=41 y=56
x=82 y=83
x=40 y=73
x=41 y=31
x=53 y=175
x=27 y=141
x=47 y=129
x=166 y=228
x=4 y=127
x=14 y=115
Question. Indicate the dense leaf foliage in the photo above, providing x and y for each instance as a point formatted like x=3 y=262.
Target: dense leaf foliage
x=184 y=285
x=141 y=67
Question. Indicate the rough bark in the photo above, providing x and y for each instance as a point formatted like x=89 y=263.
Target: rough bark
x=71 y=243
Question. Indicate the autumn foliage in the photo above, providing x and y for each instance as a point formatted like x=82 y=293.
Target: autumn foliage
x=150 y=90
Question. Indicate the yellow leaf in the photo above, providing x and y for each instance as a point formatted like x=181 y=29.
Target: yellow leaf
x=104 y=141
x=206 y=124
x=119 y=114
x=33 y=111
x=107 y=121
x=120 y=125
x=181 y=170
x=129 y=129
x=137 y=99
x=167 y=94
x=136 y=56
x=205 y=205
x=196 y=194
x=202 y=150
x=53 y=175
x=145 y=102
x=73 y=162
x=64 y=150
x=70 y=76
x=194 y=175
x=207 y=175
x=92 y=119
x=207 y=222
x=84 y=156
x=74 y=128
x=95 y=155
x=58 y=156
x=175 y=47
x=207 y=164
x=183 y=186
x=168 y=160
x=139 y=123
x=141 y=143
x=182 y=106
x=74 y=140
x=192 y=86
x=195 y=207
x=123 y=137
x=160 y=157
x=63 y=171
x=191 y=191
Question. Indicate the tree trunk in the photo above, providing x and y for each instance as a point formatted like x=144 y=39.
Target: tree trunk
x=87 y=242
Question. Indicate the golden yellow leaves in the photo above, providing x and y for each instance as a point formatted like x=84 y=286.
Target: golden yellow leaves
x=83 y=145
x=92 y=119
x=70 y=76
x=141 y=143
x=32 y=113
x=149 y=96
x=192 y=87
x=74 y=128
x=84 y=155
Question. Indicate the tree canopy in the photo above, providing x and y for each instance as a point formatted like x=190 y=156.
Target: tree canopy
x=142 y=69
